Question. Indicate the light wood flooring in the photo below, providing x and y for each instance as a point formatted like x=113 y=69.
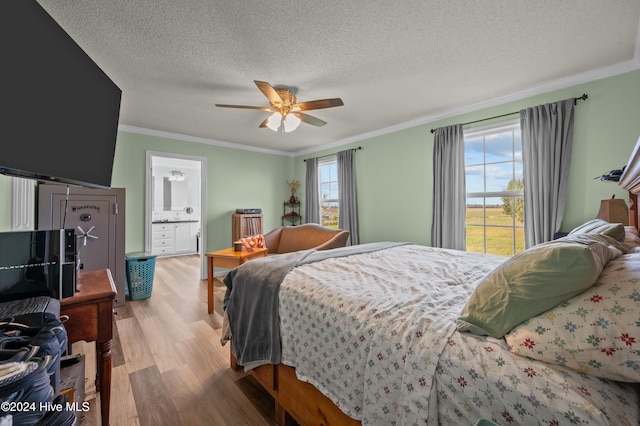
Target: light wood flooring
x=169 y=367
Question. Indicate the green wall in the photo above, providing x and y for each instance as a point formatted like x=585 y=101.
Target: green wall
x=393 y=185
x=235 y=179
x=393 y=171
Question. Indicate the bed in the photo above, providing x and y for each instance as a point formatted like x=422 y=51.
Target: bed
x=403 y=334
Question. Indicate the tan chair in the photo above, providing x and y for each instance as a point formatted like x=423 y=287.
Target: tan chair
x=287 y=239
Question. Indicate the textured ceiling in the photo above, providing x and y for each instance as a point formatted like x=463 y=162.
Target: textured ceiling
x=393 y=63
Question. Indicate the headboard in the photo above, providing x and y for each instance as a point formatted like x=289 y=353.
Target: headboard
x=633 y=210
x=630 y=180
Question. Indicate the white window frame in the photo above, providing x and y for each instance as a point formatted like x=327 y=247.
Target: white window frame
x=322 y=163
x=483 y=131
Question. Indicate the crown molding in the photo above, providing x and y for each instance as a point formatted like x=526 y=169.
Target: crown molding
x=177 y=136
x=563 y=83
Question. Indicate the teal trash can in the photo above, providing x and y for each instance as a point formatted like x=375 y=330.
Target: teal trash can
x=140 y=269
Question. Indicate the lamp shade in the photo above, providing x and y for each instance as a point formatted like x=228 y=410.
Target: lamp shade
x=290 y=123
x=274 y=121
x=614 y=210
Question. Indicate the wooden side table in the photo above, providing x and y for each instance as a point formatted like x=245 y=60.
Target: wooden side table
x=90 y=313
x=227 y=258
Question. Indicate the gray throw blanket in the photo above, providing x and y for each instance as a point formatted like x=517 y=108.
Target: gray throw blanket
x=251 y=303
x=251 y=300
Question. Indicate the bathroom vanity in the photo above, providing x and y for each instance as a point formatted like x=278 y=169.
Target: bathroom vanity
x=175 y=237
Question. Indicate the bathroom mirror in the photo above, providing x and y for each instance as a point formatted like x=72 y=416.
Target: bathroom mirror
x=175 y=194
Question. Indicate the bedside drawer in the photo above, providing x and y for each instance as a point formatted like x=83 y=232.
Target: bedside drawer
x=163 y=235
x=162 y=250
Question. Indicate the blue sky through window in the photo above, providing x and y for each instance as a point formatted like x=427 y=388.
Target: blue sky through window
x=329 y=181
x=492 y=161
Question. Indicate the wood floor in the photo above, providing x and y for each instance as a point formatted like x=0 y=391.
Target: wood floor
x=169 y=367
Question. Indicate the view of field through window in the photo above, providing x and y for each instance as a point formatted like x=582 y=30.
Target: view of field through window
x=490 y=230
x=495 y=191
x=328 y=177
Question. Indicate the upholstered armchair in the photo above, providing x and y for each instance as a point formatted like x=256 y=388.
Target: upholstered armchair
x=287 y=239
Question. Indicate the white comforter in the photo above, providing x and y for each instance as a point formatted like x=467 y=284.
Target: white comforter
x=370 y=331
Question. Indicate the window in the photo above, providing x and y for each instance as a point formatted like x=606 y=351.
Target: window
x=495 y=191
x=328 y=181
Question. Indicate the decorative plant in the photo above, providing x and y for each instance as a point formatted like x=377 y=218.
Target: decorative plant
x=293 y=186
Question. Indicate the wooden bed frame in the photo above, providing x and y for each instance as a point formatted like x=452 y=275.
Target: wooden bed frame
x=634 y=212
x=301 y=400
x=308 y=406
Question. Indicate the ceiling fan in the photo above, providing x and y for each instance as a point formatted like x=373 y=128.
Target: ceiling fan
x=287 y=112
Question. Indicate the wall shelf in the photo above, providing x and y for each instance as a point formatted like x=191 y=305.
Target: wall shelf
x=291 y=213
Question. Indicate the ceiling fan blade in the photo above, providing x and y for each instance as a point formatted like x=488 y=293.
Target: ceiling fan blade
x=269 y=92
x=309 y=119
x=245 y=107
x=319 y=104
x=264 y=123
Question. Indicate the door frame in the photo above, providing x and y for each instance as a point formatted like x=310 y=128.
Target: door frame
x=148 y=209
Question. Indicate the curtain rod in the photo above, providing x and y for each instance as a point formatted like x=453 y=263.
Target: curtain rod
x=575 y=101
x=329 y=155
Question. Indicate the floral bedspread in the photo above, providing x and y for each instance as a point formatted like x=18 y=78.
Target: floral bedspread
x=375 y=332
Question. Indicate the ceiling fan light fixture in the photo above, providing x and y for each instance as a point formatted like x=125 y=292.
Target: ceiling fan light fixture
x=290 y=123
x=287 y=113
x=274 y=121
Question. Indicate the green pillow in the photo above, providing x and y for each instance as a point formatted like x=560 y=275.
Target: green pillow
x=599 y=226
x=535 y=281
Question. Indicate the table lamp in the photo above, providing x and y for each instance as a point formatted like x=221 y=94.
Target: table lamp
x=614 y=210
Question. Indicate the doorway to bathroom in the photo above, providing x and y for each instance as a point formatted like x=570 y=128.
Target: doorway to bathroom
x=175 y=205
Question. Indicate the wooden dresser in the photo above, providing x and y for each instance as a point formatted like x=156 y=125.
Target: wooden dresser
x=90 y=313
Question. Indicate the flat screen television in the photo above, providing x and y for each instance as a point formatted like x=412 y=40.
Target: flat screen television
x=60 y=111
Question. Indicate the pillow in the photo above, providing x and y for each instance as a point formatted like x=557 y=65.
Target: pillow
x=252 y=241
x=596 y=332
x=599 y=226
x=536 y=280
